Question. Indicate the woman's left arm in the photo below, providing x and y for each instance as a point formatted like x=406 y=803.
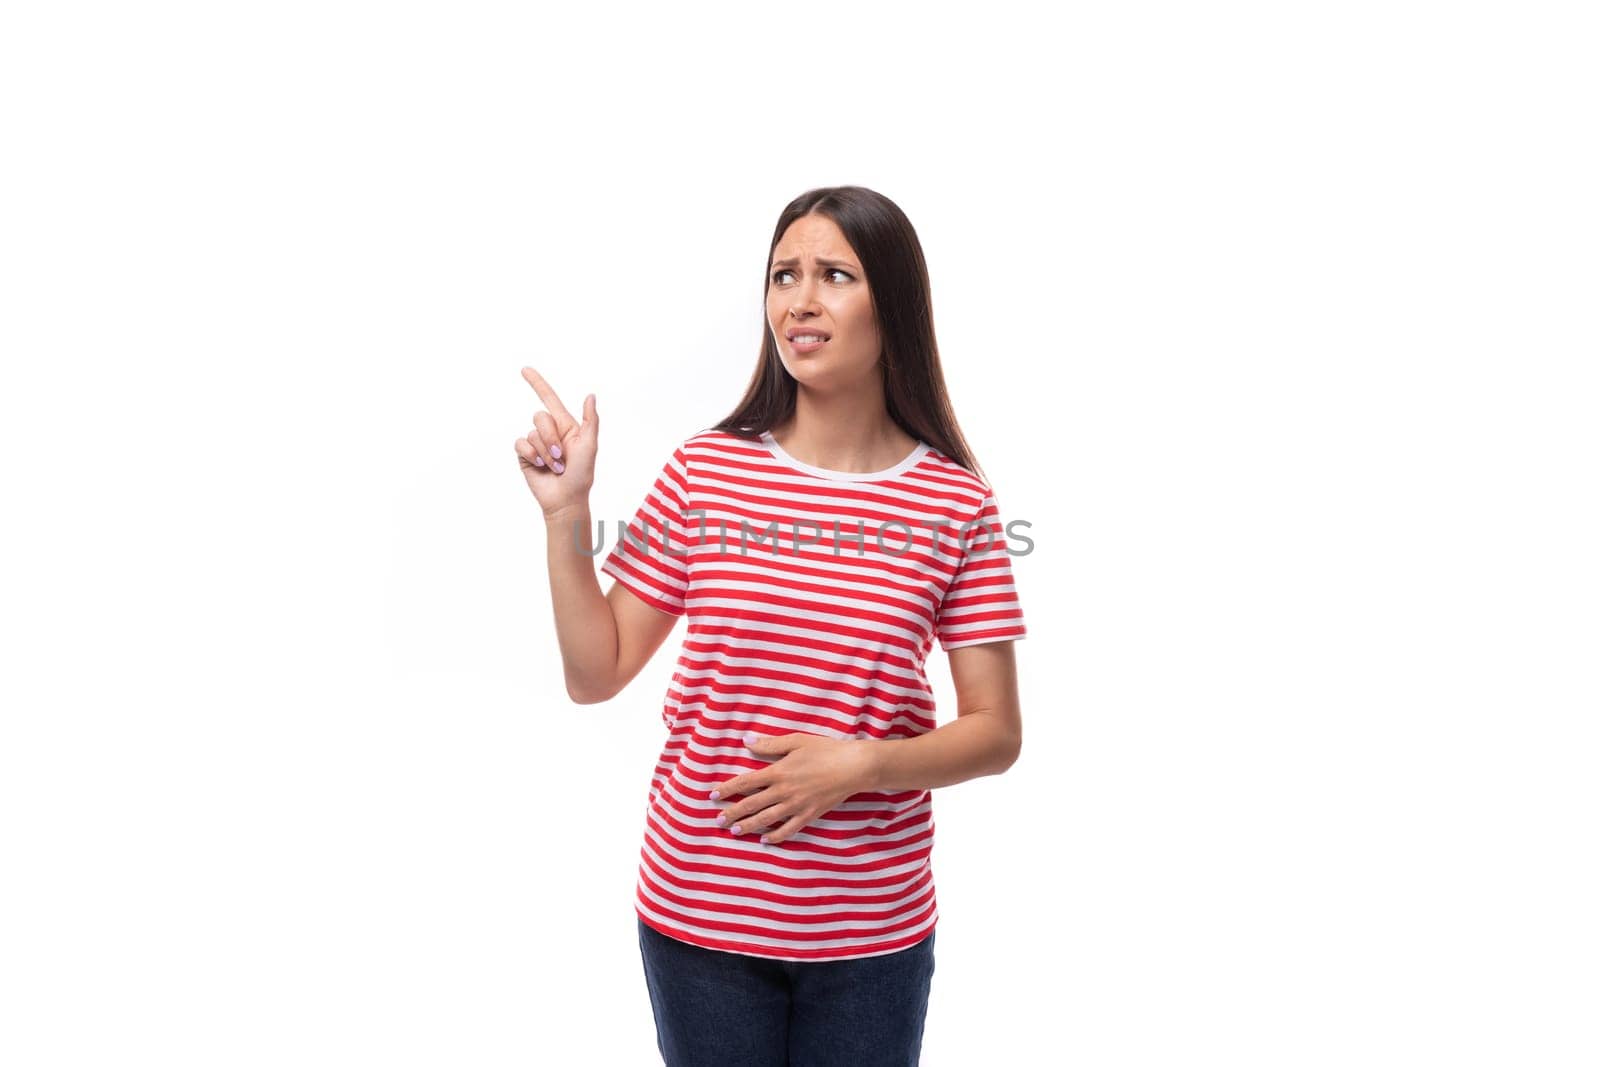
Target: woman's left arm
x=985 y=738
x=813 y=774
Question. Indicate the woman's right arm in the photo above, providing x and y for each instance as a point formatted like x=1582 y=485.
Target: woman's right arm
x=605 y=639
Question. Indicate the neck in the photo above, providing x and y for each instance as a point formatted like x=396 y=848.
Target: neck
x=848 y=431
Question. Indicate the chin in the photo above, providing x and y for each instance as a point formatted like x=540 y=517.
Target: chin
x=804 y=373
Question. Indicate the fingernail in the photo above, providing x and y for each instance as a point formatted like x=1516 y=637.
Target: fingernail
x=555 y=450
x=750 y=739
x=538 y=461
x=736 y=828
x=556 y=463
x=716 y=794
x=721 y=819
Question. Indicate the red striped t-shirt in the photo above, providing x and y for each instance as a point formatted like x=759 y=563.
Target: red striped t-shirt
x=818 y=620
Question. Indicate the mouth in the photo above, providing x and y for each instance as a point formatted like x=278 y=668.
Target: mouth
x=807 y=342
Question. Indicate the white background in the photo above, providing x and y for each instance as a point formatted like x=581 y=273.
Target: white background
x=1276 y=322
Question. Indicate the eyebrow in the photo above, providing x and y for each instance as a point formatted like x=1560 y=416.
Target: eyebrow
x=824 y=262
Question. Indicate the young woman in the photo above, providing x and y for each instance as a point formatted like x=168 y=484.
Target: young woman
x=819 y=539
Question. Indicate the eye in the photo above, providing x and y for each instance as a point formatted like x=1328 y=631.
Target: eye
x=778 y=275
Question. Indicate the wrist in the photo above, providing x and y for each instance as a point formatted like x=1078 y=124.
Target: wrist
x=568 y=513
x=873 y=765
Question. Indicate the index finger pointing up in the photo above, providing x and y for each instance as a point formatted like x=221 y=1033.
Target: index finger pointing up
x=548 y=395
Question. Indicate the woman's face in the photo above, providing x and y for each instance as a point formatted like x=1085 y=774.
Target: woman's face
x=817 y=286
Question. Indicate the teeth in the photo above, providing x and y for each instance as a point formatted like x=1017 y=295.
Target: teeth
x=806 y=338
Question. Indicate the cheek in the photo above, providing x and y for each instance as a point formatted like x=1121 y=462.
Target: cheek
x=859 y=315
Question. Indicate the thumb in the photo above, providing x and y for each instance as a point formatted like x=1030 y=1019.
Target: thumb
x=591 y=417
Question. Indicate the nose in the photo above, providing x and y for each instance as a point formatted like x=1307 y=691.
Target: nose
x=805 y=298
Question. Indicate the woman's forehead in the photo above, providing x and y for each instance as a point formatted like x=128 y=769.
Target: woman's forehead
x=815 y=238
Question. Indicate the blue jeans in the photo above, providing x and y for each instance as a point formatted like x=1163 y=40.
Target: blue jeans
x=726 y=1009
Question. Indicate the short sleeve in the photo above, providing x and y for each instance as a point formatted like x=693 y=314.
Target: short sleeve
x=649 y=558
x=980 y=604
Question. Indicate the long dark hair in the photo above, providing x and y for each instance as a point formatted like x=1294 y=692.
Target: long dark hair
x=897 y=277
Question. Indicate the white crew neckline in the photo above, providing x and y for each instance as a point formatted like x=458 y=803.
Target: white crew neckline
x=778 y=453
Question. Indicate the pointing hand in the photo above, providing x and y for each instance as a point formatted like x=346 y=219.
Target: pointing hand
x=557 y=456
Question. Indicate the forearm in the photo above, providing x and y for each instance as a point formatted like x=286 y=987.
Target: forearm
x=975 y=744
x=586 y=630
